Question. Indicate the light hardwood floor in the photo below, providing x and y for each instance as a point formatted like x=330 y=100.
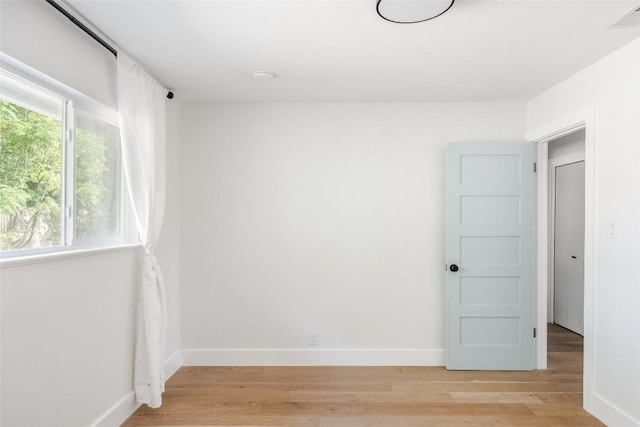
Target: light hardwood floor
x=377 y=396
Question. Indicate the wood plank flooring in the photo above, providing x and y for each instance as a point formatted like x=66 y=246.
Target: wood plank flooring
x=377 y=396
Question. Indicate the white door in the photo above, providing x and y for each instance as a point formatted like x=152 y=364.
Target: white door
x=490 y=256
x=569 y=247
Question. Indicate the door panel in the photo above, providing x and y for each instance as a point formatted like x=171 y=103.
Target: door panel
x=489 y=290
x=489 y=250
x=505 y=167
x=490 y=237
x=489 y=210
x=485 y=331
x=569 y=247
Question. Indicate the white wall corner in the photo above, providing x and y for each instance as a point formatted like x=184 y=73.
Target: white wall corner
x=127 y=405
x=173 y=363
x=315 y=357
x=563 y=126
x=609 y=413
x=119 y=412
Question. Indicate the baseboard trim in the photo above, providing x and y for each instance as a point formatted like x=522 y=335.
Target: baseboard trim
x=123 y=408
x=119 y=412
x=313 y=357
x=173 y=363
x=609 y=413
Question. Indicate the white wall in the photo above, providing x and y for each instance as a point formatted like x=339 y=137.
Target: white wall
x=36 y=34
x=67 y=338
x=613 y=86
x=68 y=327
x=68 y=324
x=324 y=217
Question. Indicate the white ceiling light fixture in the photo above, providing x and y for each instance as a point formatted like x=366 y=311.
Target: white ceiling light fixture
x=263 y=75
x=412 y=11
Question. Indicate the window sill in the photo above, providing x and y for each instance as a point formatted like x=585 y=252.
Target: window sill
x=59 y=255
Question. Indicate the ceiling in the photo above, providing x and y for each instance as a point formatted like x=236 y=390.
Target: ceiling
x=480 y=50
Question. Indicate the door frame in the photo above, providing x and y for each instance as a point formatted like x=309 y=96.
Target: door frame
x=567 y=159
x=582 y=119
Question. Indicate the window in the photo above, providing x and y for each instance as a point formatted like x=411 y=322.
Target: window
x=97 y=179
x=60 y=177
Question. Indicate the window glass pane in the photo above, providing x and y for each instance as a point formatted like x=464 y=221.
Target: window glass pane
x=98 y=184
x=30 y=167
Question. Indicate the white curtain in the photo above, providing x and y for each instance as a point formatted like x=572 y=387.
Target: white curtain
x=141 y=105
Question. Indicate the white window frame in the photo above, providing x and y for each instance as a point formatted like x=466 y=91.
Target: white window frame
x=73 y=102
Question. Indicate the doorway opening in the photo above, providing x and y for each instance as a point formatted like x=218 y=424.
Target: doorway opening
x=580 y=120
x=565 y=305
x=566 y=227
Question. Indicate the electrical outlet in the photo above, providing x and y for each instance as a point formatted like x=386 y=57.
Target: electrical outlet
x=313 y=338
x=611 y=231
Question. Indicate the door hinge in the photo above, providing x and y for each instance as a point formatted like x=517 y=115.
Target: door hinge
x=534 y=332
x=535 y=167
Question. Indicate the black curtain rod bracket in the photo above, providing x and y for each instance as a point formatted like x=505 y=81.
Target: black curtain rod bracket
x=89 y=32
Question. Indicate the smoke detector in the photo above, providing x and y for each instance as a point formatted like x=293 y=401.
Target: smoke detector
x=630 y=19
x=263 y=75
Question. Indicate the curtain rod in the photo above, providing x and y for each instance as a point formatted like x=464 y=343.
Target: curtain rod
x=89 y=32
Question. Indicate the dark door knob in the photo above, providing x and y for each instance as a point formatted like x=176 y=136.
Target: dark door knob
x=453 y=268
